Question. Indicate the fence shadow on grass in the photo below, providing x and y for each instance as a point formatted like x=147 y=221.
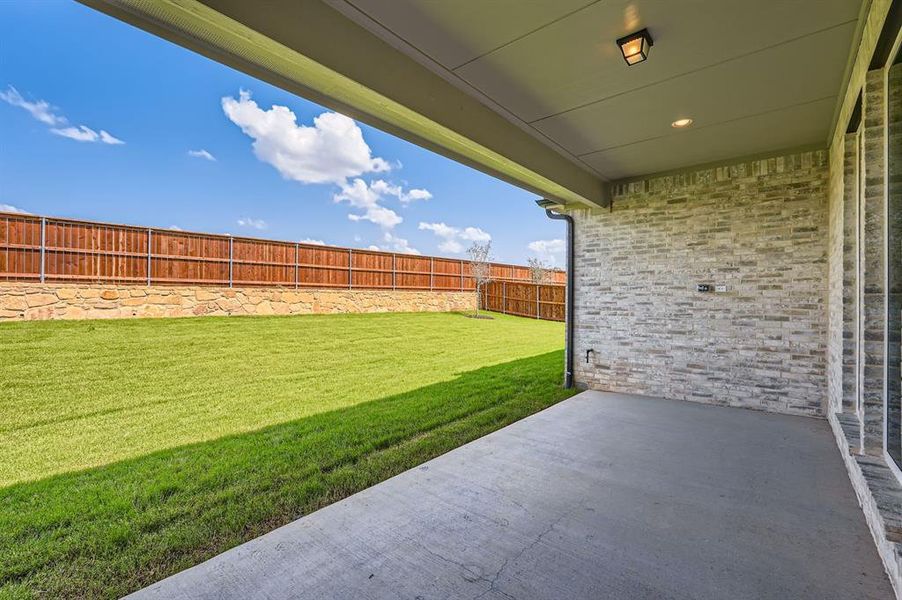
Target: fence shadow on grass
x=111 y=530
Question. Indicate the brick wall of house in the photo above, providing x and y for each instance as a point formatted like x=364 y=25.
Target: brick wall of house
x=758 y=227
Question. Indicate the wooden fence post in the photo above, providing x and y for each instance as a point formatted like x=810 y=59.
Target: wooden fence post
x=296 y=260
x=43 y=246
x=394 y=270
x=149 y=250
x=461 y=275
x=230 y=259
x=350 y=268
x=503 y=297
x=537 y=300
x=431 y=273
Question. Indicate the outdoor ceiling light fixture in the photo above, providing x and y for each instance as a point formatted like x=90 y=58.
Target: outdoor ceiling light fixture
x=635 y=46
x=681 y=123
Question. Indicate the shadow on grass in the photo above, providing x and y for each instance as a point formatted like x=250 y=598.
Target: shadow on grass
x=111 y=530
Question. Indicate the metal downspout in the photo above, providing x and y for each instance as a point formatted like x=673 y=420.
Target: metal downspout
x=568 y=316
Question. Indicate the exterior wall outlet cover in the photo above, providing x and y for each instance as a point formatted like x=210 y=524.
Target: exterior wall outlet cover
x=720 y=289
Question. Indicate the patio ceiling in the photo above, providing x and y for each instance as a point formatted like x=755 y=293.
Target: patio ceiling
x=755 y=76
x=536 y=93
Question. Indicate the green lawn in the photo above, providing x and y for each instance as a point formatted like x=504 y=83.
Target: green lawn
x=132 y=449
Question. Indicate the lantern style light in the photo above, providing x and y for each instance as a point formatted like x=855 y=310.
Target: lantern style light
x=635 y=46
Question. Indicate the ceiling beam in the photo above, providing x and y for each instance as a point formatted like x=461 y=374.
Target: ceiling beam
x=312 y=50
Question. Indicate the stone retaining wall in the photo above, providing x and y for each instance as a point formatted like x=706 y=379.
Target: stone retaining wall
x=33 y=301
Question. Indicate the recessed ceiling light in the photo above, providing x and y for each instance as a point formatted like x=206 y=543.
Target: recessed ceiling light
x=681 y=123
x=635 y=46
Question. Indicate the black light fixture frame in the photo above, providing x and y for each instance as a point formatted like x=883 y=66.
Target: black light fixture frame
x=642 y=33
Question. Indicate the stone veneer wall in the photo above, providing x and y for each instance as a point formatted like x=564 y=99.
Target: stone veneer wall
x=64 y=301
x=759 y=227
x=842 y=325
x=844 y=274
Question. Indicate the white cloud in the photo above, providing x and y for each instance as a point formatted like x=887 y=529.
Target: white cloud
x=454 y=238
x=202 y=154
x=83 y=133
x=475 y=234
x=365 y=198
x=550 y=251
x=313 y=242
x=330 y=151
x=416 y=194
x=440 y=229
x=9 y=208
x=397 y=244
x=43 y=112
x=252 y=223
x=394 y=243
x=79 y=134
x=106 y=138
x=40 y=110
x=383 y=187
x=368 y=197
x=175 y=228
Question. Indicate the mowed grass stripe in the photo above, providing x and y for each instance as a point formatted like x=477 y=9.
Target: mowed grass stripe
x=93 y=392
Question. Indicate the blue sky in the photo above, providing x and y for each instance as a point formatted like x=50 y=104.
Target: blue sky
x=75 y=83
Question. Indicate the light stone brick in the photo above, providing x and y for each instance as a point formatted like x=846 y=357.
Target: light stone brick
x=40 y=299
x=758 y=227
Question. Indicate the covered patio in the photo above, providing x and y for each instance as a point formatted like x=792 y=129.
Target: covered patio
x=602 y=496
x=732 y=193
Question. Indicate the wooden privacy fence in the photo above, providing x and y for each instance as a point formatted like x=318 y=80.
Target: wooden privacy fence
x=525 y=299
x=35 y=248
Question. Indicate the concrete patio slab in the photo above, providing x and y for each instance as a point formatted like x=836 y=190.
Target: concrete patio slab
x=601 y=496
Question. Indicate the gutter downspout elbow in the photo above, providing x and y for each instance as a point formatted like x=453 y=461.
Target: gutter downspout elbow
x=568 y=315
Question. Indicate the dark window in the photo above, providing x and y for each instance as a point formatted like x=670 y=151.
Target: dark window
x=894 y=259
